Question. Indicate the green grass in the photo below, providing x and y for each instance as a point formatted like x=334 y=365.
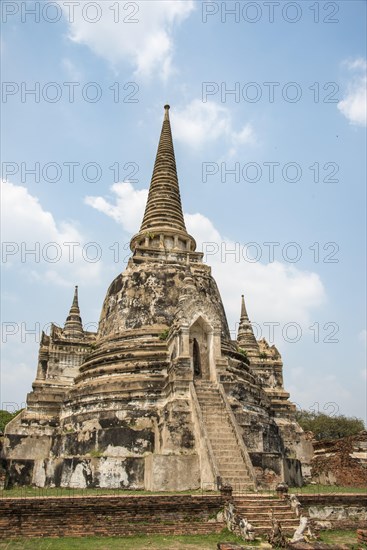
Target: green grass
x=326 y=489
x=156 y=542
x=25 y=492
x=143 y=542
x=341 y=537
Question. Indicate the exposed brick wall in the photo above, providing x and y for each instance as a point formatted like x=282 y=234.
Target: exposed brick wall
x=340 y=461
x=109 y=515
x=131 y=515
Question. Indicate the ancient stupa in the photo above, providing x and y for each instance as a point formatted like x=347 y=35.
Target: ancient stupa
x=160 y=398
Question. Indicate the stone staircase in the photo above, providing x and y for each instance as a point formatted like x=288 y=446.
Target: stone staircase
x=258 y=510
x=228 y=457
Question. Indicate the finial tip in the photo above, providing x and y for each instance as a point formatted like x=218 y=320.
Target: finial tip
x=166 y=112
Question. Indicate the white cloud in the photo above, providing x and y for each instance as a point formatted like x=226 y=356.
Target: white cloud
x=354 y=105
x=202 y=229
x=200 y=123
x=129 y=207
x=26 y=226
x=275 y=291
x=71 y=70
x=138 y=33
x=357 y=64
x=316 y=397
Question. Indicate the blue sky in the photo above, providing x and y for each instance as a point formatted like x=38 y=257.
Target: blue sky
x=297 y=112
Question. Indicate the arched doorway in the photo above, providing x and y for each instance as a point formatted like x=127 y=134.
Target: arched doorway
x=200 y=344
x=196 y=359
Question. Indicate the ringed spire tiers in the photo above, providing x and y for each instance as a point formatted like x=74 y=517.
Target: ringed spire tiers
x=163 y=225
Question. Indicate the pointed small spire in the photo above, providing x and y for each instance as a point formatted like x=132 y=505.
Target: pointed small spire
x=73 y=327
x=243 y=308
x=75 y=304
x=163 y=212
x=246 y=338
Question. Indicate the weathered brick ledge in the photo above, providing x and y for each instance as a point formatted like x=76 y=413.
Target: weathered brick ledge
x=336 y=511
x=110 y=515
x=330 y=499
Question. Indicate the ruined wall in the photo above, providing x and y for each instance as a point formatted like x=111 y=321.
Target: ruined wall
x=110 y=516
x=341 y=462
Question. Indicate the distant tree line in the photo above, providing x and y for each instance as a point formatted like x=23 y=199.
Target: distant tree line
x=324 y=426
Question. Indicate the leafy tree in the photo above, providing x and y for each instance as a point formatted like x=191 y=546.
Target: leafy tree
x=5 y=417
x=329 y=427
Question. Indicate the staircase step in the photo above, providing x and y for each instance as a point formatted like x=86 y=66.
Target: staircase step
x=257 y=497
x=203 y=396
x=219 y=428
x=225 y=441
x=223 y=446
x=265 y=529
x=237 y=467
x=208 y=399
x=212 y=407
x=260 y=507
x=284 y=523
x=234 y=459
x=278 y=515
x=236 y=464
x=239 y=477
x=226 y=453
x=213 y=418
x=264 y=511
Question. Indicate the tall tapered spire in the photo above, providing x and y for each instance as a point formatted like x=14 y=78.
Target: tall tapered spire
x=163 y=221
x=246 y=338
x=73 y=327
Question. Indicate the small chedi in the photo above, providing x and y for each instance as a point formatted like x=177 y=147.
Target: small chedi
x=161 y=397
